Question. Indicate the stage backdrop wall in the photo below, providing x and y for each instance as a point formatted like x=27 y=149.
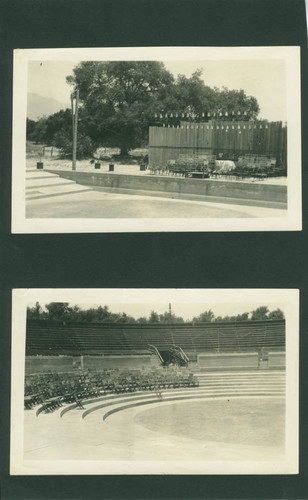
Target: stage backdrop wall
x=242 y=137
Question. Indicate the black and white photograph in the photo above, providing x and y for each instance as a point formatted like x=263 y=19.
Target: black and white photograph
x=154 y=381
x=156 y=139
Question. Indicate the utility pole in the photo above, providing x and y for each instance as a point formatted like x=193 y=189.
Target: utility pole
x=74 y=104
x=170 y=309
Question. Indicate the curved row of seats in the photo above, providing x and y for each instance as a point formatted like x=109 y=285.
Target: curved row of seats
x=51 y=390
x=266 y=384
x=44 y=337
x=207 y=385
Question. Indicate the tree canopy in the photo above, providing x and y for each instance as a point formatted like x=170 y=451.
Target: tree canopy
x=119 y=100
x=62 y=311
x=192 y=95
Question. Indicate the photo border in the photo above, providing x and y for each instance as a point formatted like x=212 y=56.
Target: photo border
x=291 y=222
x=21 y=298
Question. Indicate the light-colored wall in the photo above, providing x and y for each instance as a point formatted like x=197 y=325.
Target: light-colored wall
x=207 y=187
x=41 y=364
x=133 y=362
x=227 y=361
x=276 y=360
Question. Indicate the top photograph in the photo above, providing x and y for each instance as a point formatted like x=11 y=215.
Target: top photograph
x=147 y=139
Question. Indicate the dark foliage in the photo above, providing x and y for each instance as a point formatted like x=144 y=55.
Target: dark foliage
x=62 y=311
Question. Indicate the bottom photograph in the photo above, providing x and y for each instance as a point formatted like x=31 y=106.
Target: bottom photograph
x=154 y=381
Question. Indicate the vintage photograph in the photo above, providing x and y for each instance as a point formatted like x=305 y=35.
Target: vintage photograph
x=157 y=139
x=144 y=381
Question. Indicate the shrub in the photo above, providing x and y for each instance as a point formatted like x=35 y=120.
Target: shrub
x=85 y=146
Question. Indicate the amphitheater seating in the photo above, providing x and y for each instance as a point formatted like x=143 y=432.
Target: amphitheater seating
x=208 y=385
x=52 y=338
x=52 y=389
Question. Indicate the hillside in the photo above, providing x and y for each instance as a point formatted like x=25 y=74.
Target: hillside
x=39 y=106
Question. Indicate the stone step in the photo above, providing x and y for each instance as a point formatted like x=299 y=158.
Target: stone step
x=49 y=195
x=239 y=378
x=263 y=375
x=33 y=173
x=127 y=405
x=45 y=185
x=58 y=188
x=35 y=176
x=243 y=384
x=37 y=183
x=115 y=400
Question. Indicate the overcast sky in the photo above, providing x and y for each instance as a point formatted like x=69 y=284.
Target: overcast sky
x=186 y=311
x=263 y=79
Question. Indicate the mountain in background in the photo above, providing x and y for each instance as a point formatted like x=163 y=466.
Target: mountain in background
x=39 y=106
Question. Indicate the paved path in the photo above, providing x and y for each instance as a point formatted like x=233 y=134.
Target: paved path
x=49 y=196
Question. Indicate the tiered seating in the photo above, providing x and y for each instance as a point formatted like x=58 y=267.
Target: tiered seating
x=51 y=338
x=51 y=390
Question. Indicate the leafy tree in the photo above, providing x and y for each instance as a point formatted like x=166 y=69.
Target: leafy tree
x=275 y=315
x=38 y=131
x=117 y=97
x=260 y=314
x=102 y=313
x=31 y=124
x=122 y=318
x=64 y=142
x=72 y=314
x=205 y=317
x=58 y=310
x=154 y=317
x=188 y=95
x=242 y=317
x=192 y=95
x=59 y=134
x=58 y=122
x=237 y=101
x=239 y=317
x=170 y=318
x=56 y=130
x=143 y=320
x=35 y=312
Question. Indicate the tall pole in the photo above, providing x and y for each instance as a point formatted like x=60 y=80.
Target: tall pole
x=74 y=105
